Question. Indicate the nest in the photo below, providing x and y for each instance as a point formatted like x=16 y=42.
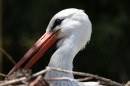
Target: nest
x=29 y=79
x=26 y=78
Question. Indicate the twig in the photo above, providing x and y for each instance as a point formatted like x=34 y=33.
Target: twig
x=11 y=59
x=87 y=74
x=107 y=83
x=38 y=81
x=7 y=55
x=65 y=71
x=46 y=83
x=1 y=74
x=40 y=72
x=84 y=79
x=61 y=78
x=128 y=83
x=22 y=79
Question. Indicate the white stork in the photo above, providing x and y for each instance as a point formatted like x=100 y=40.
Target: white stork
x=71 y=29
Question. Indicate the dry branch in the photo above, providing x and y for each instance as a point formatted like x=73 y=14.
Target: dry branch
x=128 y=83
x=39 y=81
x=11 y=59
x=62 y=78
x=87 y=74
x=7 y=55
x=1 y=74
x=22 y=79
x=84 y=79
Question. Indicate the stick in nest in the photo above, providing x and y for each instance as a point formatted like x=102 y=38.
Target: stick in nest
x=87 y=74
x=11 y=59
x=65 y=71
x=39 y=81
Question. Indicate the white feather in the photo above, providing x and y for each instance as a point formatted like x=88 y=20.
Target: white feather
x=75 y=31
x=89 y=84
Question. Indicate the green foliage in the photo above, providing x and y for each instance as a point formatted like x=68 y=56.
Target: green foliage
x=108 y=52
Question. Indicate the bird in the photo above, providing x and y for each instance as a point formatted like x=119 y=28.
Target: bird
x=71 y=30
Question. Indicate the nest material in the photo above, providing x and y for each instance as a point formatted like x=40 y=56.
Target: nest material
x=19 y=74
x=29 y=81
x=25 y=78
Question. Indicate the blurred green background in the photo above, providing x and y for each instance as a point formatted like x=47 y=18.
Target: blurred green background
x=106 y=55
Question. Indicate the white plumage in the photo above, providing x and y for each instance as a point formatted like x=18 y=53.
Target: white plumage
x=75 y=32
x=71 y=29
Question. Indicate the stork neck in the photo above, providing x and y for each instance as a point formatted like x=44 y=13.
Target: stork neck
x=63 y=58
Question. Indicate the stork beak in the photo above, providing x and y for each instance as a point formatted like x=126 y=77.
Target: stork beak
x=38 y=48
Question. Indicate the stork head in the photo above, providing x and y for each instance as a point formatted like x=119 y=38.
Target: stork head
x=69 y=23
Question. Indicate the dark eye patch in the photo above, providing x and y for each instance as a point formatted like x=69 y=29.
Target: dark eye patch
x=56 y=23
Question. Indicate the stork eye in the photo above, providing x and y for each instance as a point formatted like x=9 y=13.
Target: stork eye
x=56 y=23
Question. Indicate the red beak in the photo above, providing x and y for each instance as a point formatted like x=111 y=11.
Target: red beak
x=39 y=48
